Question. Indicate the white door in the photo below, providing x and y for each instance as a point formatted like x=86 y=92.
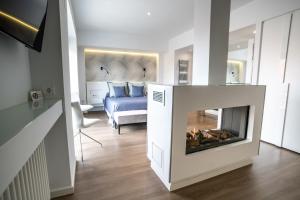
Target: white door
x=291 y=138
x=271 y=73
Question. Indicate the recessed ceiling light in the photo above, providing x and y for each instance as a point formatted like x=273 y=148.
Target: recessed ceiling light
x=238 y=46
x=149 y=13
x=254 y=32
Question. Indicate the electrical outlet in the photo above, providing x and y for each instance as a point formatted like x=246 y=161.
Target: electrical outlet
x=49 y=92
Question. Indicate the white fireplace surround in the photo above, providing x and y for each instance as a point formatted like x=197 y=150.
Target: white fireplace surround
x=167 y=121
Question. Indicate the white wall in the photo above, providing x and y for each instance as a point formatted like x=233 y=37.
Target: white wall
x=15 y=80
x=74 y=79
x=120 y=41
x=81 y=75
x=74 y=82
x=72 y=38
x=50 y=68
x=19 y=72
x=247 y=15
x=70 y=83
x=260 y=10
x=116 y=41
x=183 y=40
x=189 y=38
x=241 y=54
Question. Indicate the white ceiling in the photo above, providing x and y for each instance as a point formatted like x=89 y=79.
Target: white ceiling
x=168 y=17
x=239 y=3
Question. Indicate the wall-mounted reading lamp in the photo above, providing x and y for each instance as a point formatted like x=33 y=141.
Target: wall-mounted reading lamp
x=144 y=69
x=105 y=69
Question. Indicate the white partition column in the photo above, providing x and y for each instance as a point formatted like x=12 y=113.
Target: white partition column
x=169 y=150
x=159 y=145
x=211 y=29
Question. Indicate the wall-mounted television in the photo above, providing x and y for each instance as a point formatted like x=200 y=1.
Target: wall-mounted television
x=24 y=20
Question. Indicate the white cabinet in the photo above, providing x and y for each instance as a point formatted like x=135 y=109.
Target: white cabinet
x=279 y=71
x=96 y=92
x=291 y=137
x=271 y=74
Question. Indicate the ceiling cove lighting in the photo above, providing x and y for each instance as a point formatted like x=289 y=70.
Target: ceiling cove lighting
x=235 y=62
x=88 y=50
x=18 y=21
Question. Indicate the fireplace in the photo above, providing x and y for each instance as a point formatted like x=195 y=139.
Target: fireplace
x=216 y=127
x=198 y=132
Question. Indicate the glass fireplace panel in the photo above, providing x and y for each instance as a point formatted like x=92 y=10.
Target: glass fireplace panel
x=216 y=127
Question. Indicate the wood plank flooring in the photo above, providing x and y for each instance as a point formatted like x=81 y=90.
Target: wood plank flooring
x=120 y=170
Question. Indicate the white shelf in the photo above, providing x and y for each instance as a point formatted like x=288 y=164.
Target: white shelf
x=23 y=128
x=183 y=72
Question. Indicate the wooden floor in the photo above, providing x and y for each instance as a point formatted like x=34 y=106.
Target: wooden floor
x=120 y=170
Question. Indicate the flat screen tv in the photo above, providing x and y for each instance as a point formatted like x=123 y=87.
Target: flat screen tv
x=24 y=20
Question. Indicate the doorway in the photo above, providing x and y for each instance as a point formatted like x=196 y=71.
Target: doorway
x=240 y=55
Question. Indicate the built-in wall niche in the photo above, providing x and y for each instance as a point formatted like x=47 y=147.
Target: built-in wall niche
x=111 y=65
x=240 y=55
x=236 y=71
x=183 y=65
x=216 y=127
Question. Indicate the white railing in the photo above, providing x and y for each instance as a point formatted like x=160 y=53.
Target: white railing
x=31 y=183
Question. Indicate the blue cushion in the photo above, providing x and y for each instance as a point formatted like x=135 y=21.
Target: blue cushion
x=137 y=91
x=130 y=84
x=111 y=86
x=119 y=91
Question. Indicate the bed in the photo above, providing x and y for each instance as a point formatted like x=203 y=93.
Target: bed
x=119 y=104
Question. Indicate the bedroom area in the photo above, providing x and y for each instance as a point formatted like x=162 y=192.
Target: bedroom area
x=111 y=145
x=116 y=82
x=121 y=50
x=115 y=96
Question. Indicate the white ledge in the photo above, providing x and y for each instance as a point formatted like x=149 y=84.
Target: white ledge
x=23 y=128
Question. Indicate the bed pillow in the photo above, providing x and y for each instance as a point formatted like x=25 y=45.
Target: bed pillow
x=111 y=87
x=137 y=91
x=130 y=84
x=119 y=91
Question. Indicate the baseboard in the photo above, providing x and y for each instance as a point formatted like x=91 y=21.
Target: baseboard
x=149 y=157
x=62 y=191
x=65 y=190
x=160 y=176
x=196 y=179
x=74 y=173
